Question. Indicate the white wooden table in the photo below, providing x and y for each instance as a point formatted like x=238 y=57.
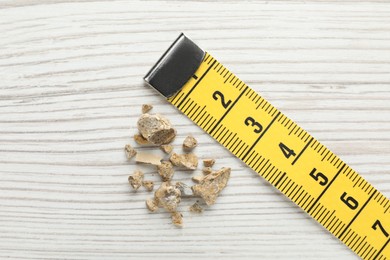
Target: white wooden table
x=70 y=93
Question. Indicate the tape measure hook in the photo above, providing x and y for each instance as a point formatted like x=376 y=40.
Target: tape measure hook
x=175 y=67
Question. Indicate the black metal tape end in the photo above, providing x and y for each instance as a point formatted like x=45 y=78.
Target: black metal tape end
x=175 y=67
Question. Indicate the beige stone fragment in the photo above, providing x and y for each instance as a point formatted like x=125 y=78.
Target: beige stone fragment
x=177 y=219
x=139 y=139
x=185 y=190
x=148 y=158
x=189 y=143
x=156 y=129
x=196 y=208
x=197 y=179
x=168 y=196
x=151 y=205
x=188 y=160
x=208 y=162
x=136 y=179
x=146 y=108
x=149 y=185
x=207 y=170
x=175 y=159
x=212 y=185
x=165 y=170
x=130 y=151
x=166 y=148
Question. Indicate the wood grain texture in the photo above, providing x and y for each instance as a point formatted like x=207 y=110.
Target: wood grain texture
x=70 y=93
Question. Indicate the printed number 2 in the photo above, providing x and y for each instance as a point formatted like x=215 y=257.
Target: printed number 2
x=218 y=95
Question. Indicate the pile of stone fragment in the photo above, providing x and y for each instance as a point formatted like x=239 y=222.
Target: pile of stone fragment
x=156 y=131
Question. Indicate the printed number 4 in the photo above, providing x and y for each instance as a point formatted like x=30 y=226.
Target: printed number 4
x=286 y=151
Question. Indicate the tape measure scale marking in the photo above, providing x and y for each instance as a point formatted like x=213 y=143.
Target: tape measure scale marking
x=286 y=156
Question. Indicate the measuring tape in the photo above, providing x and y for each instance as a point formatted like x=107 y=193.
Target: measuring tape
x=275 y=147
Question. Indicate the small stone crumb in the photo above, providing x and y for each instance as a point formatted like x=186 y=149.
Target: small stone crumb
x=196 y=208
x=189 y=143
x=130 y=151
x=207 y=170
x=148 y=158
x=151 y=205
x=146 y=108
x=197 y=179
x=185 y=190
x=149 y=185
x=208 y=162
x=136 y=179
x=139 y=139
x=166 y=148
x=188 y=160
x=168 y=196
x=165 y=170
x=177 y=219
x=211 y=185
x=156 y=129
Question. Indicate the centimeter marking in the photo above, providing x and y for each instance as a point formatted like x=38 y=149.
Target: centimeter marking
x=288 y=157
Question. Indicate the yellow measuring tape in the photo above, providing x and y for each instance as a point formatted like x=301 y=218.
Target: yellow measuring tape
x=277 y=148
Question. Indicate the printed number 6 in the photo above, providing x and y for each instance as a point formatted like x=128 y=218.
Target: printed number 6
x=349 y=201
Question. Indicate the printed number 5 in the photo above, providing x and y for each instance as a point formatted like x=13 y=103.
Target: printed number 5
x=319 y=176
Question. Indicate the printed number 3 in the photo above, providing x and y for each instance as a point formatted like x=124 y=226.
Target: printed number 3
x=249 y=121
